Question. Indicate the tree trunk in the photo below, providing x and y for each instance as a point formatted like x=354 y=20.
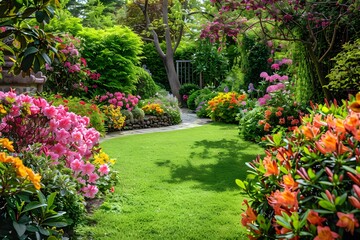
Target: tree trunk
x=320 y=74
x=172 y=75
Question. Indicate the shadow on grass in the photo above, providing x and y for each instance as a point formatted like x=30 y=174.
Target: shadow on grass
x=214 y=164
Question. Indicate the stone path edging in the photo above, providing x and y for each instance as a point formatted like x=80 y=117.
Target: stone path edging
x=189 y=120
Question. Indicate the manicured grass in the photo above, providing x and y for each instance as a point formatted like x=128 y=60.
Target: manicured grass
x=175 y=185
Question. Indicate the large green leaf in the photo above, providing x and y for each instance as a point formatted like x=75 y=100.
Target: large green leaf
x=33 y=205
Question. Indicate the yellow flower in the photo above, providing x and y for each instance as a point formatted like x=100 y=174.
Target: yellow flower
x=7 y=144
x=2 y=109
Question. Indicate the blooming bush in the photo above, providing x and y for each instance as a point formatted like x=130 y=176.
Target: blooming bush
x=225 y=106
x=114 y=119
x=69 y=74
x=82 y=108
x=153 y=109
x=308 y=184
x=64 y=136
x=119 y=99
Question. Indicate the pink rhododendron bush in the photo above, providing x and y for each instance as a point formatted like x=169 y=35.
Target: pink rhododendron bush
x=308 y=184
x=62 y=136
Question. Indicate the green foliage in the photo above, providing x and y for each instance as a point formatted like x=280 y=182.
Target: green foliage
x=114 y=53
x=82 y=108
x=254 y=57
x=128 y=115
x=155 y=65
x=306 y=87
x=201 y=102
x=145 y=87
x=59 y=179
x=212 y=64
x=191 y=100
x=345 y=76
x=32 y=46
x=64 y=22
x=249 y=127
x=188 y=88
x=138 y=113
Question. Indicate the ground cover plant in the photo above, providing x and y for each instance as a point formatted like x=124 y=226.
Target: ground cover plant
x=183 y=188
x=308 y=184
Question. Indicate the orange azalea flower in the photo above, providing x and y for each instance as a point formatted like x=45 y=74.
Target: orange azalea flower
x=270 y=166
x=289 y=182
x=261 y=122
x=282 y=121
x=352 y=123
x=328 y=144
x=309 y=131
x=318 y=122
x=249 y=216
x=355 y=106
x=286 y=199
x=347 y=221
x=325 y=233
x=278 y=114
x=314 y=218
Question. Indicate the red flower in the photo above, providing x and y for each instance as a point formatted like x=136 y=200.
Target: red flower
x=82 y=102
x=249 y=216
x=267 y=127
x=278 y=113
x=282 y=121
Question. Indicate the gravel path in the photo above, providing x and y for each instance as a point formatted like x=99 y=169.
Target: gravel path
x=189 y=120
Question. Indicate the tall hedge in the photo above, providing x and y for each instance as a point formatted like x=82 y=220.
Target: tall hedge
x=115 y=54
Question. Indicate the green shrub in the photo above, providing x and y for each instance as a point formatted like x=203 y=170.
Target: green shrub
x=128 y=115
x=188 y=88
x=114 y=53
x=249 y=127
x=138 y=113
x=308 y=184
x=82 y=108
x=145 y=87
x=345 y=76
x=254 y=60
x=191 y=100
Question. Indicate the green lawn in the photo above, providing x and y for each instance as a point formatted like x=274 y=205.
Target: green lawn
x=175 y=185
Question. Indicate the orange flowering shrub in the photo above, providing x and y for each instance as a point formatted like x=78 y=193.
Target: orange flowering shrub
x=226 y=106
x=15 y=176
x=308 y=184
x=153 y=109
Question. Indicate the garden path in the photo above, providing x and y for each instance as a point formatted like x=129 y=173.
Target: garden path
x=189 y=120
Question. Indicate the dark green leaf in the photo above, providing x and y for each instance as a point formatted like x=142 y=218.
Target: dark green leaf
x=55 y=224
x=27 y=62
x=30 y=50
x=40 y=16
x=33 y=205
x=44 y=231
x=46 y=58
x=19 y=228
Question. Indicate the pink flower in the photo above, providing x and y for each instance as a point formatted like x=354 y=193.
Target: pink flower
x=275 y=66
x=264 y=75
x=87 y=169
x=50 y=111
x=65 y=123
x=62 y=136
x=76 y=165
x=90 y=191
x=59 y=149
x=104 y=169
x=93 y=177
